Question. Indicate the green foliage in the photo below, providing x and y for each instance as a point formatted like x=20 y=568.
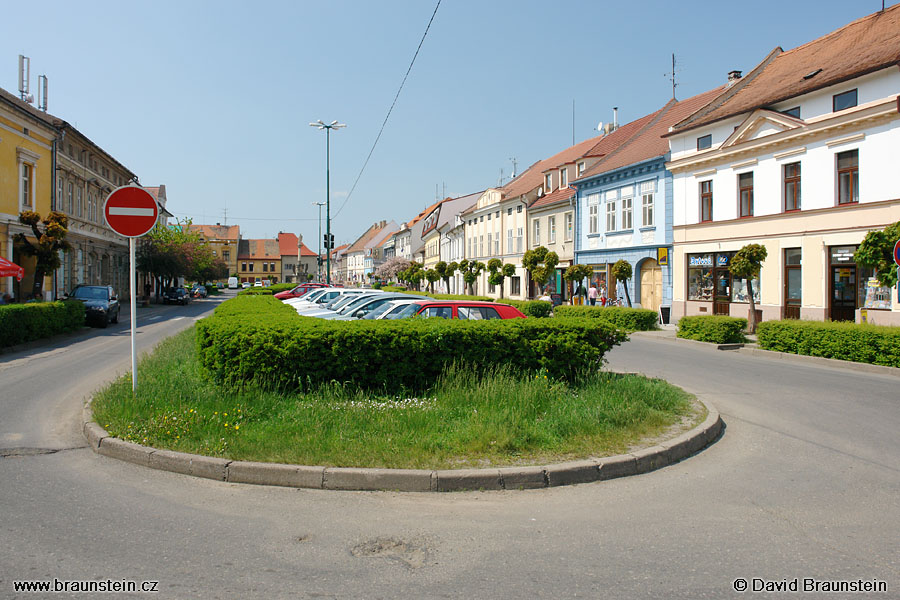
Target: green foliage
x=532 y=308
x=20 y=323
x=877 y=252
x=540 y=263
x=470 y=270
x=282 y=287
x=48 y=245
x=717 y=329
x=578 y=273
x=630 y=319
x=256 y=291
x=865 y=343
x=447 y=296
x=261 y=341
x=748 y=261
x=621 y=271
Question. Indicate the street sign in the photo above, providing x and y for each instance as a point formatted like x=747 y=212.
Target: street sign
x=897 y=253
x=130 y=211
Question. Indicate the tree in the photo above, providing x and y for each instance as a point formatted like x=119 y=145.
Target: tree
x=877 y=252
x=578 y=273
x=746 y=263
x=540 y=263
x=446 y=271
x=499 y=272
x=390 y=269
x=470 y=270
x=170 y=252
x=49 y=242
x=621 y=271
x=432 y=275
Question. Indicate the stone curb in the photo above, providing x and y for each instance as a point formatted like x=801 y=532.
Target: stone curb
x=408 y=480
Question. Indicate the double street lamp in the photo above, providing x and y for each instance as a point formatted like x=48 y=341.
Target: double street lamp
x=327 y=127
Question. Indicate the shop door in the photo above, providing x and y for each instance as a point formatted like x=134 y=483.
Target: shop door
x=651 y=285
x=843 y=293
x=722 y=301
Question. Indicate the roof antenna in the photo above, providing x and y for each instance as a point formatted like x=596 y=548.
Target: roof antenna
x=671 y=76
x=515 y=167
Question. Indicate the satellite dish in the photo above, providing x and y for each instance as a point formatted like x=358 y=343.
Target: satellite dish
x=600 y=126
x=29 y=98
x=540 y=191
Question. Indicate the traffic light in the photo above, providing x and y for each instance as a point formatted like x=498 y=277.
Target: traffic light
x=329 y=243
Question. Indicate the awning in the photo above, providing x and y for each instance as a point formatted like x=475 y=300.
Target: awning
x=8 y=269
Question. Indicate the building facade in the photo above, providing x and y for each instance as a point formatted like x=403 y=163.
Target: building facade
x=259 y=260
x=224 y=242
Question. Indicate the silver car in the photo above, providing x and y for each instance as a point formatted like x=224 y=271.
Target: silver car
x=363 y=307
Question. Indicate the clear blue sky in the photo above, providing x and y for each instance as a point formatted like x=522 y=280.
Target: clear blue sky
x=213 y=98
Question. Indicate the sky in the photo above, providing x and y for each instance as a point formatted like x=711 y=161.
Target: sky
x=213 y=98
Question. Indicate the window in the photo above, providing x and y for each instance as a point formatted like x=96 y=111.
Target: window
x=226 y=255
x=536 y=232
x=477 y=313
x=481 y=244
x=570 y=225
x=519 y=208
x=563 y=178
x=243 y=266
x=490 y=240
x=648 y=201
x=793 y=282
x=442 y=312
x=848 y=177
x=70 y=197
x=79 y=203
x=548 y=182
x=610 y=215
x=509 y=211
x=509 y=241
x=704 y=142
x=792 y=112
x=745 y=186
x=481 y=220
x=59 y=194
x=497 y=214
x=272 y=267
x=93 y=204
x=626 y=213
x=594 y=213
x=497 y=244
x=706 y=201
x=844 y=100
x=519 y=239
x=489 y=216
x=791 y=187
x=515 y=286
x=250 y=267
x=551 y=230
x=26 y=184
x=581 y=166
x=265 y=267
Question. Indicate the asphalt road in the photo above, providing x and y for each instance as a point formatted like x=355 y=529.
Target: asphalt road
x=803 y=484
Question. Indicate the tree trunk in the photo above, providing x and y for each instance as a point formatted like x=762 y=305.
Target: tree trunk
x=501 y=289
x=38 y=283
x=751 y=321
x=627 y=297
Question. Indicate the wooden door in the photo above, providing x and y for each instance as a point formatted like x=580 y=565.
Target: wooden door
x=651 y=285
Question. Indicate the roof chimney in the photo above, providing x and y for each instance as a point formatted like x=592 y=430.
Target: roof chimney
x=218 y=224
x=733 y=76
x=615 y=117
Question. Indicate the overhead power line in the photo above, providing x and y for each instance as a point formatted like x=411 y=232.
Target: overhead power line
x=378 y=137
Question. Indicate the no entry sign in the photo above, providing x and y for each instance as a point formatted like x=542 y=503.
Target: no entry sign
x=897 y=253
x=130 y=211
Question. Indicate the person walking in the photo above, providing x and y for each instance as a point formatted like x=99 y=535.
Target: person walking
x=592 y=294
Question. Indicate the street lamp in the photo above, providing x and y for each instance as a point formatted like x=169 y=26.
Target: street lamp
x=327 y=127
x=319 y=257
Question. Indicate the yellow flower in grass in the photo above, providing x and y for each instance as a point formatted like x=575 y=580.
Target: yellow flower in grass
x=226 y=424
x=236 y=427
x=224 y=414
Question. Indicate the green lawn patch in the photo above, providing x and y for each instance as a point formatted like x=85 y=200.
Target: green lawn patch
x=465 y=419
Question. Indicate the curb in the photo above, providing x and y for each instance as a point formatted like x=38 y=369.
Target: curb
x=408 y=480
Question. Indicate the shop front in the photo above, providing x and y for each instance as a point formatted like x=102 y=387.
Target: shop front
x=713 y=289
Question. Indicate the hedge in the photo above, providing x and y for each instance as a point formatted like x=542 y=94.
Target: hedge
x=866 y=343
x=531 y=308
x=256 y=291
x=261 y=341
x=20 y=323
x=717 y=329
x=631 y=319
x=282 y=287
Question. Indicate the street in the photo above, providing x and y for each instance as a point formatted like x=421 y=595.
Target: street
x=804 y=483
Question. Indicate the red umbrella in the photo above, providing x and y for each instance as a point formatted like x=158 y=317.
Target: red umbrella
x=8 y=269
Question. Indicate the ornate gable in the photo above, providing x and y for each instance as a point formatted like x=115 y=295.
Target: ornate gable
x=762 y=123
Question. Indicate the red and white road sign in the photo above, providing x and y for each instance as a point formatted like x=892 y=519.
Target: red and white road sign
x=130 y=211
x=897 y=253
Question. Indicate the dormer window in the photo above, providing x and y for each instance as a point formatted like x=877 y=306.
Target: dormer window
x=563 y=178
x=844 y=100
x=548 y=182
x=792 y=112
x=581 y=168
x=704 y=142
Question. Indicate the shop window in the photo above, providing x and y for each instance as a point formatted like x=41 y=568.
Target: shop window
x=700 y=277
x=791 y=186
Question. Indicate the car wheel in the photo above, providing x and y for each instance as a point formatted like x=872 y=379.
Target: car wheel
x=104 y=322
x=115 y=319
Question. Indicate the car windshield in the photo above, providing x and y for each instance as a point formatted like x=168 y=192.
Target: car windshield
x=313 y=295
x=90 y=293
x=378 y=311
x=341 y=301
x=404 y=311
x=348 y=308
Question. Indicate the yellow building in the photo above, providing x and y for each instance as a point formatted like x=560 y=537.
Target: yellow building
x=223 y=239
x=259 y=260
x=26 y=172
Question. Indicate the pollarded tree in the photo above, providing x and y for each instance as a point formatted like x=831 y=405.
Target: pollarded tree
x=877 y=252
x=432 y=275
x=445 y=272
x=470 y=270
x=499 y=272
x=621 y=271
x=49 y=242
x=540 y=263
x=579 y=273
x=747 y=263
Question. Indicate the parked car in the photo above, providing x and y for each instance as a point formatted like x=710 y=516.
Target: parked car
x=384 y=311
x=362 y=307
x=333 y=307
x=299 y=290
x=177 y=295
x=199 y=291
x=232 y=283
x=100 y=303
x=245 y=285
x=257 y=284
x=459 y=309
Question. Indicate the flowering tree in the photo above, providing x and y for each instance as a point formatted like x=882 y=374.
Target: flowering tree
x=49 y=242
x=390 y=269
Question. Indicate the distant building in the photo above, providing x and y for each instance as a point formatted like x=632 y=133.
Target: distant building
x=259 y=260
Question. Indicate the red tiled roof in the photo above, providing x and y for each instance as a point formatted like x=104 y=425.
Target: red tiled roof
x=287 y=244
x=560 y=195
x=533 y=176
x=863 y=46
x=305 y=251
x=217 y=232
x=649 y=141
x=259 y=249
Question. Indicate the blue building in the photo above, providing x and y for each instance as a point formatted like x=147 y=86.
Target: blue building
x=624 y=208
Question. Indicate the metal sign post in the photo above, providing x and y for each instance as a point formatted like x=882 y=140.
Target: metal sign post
x=132 y=283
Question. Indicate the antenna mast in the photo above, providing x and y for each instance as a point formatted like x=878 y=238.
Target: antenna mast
x=573 y=121
x=671 y=76
x=515 y=167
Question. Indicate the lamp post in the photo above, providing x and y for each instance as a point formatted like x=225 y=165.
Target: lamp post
x=327 y=127
x=319 y=256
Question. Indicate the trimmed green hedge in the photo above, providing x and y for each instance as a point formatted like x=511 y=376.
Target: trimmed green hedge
x=531 y=308
x=874 y=344
x=256 y=291
x=717 y=329
x=453 y=296
x=261 y=341
x=631 y=319
x=20 y=323
x=282 y=287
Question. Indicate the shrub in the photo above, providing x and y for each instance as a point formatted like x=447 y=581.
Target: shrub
x=874 y=344
x=20 y=323
x=630 y=319
x=531 y=308
x=452 y=296
x=256 y=291
x=282 y=287
x=261 y=341
x=717 y=329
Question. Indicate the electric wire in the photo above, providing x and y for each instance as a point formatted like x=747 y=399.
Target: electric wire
x=388 y=116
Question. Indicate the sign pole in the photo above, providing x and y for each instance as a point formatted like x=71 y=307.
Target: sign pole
x=132 y=284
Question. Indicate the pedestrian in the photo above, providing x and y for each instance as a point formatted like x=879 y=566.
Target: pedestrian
x=592 y=294
x=602 y=294
x=579 y=294
x=6 y=299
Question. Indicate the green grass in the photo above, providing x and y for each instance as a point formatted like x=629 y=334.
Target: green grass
x=503 y=418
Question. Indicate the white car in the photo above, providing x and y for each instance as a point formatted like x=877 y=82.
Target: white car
x=312 y=297
x=328 y=300
x=365 y=306
x=389 y=308
x=332 y=308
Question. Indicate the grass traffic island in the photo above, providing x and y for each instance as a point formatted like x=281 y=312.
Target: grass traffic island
x=501 y=418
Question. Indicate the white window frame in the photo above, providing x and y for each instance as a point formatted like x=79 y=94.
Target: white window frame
x=509 y=240
x=570 y=226
x=563 y=178
x=520 y=240
x=581 y=167
x=611 y=215
x=536 y=232
x=551 y=230
x=27 y=184
x=548 y=182
x=648 y=204
x=627 y=213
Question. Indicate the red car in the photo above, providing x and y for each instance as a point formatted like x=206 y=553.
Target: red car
x=459 y=309
x=299 y=290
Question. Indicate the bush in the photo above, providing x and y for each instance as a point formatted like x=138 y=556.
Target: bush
x=261 y=341
x=20 y=323
x=630 y=319
x=531 y=308
x=716 y=329
x=256 y=291
x=874 y=344
x=452 y=296
x=282 y=287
